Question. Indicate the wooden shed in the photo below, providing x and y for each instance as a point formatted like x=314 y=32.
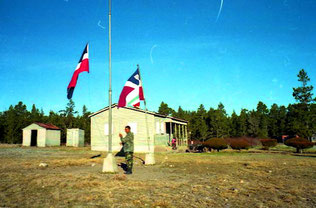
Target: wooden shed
x=75 y=137
x=41 y=135
x=161 y=128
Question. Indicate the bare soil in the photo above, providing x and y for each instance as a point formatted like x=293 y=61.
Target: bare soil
x=226 y=179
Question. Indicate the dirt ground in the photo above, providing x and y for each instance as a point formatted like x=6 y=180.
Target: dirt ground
x=226 y=179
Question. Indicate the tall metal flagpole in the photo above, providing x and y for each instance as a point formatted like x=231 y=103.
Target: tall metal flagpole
x=149 y=158
x=110 y=82
x=109 y=163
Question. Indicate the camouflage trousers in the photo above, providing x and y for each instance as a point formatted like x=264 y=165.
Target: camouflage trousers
x=129 y=160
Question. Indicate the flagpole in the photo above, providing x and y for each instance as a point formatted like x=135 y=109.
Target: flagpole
x=149 y=158
x=110 y=82
x=109 y=163
x=146 y=119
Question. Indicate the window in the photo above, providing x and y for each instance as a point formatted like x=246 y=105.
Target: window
x=162 y=128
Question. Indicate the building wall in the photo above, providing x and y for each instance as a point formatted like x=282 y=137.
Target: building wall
x=41 y=134
x=52 y=137
x=33 y=127
x=26 y=137
x=161 y=139
x=69 y=137
x=161 y=135
x=75 y=137
x=160 y=125
x=41 y=137
x=81 y=138
x=121 y=118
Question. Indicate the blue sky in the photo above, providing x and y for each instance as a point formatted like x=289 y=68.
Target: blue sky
x=252 y=53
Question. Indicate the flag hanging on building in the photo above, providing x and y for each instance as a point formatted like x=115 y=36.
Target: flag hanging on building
x=132 y=92
x=83 y=65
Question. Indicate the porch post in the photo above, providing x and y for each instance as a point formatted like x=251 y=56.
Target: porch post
x=182 y=132
x=186 y=133
x=175 y=131
x=179 y=139
x=170 y=132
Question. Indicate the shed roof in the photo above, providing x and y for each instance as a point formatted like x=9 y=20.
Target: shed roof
x=139 y=110
x=47 y=126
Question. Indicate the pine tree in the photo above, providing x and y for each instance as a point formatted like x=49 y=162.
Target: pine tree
x=210 y=121
x=69 y=114
x=36 y=115
x=313 y=119
x=274 y=121
x=16 y=119
x=282 y=121
x=242 y=129
x=253 y=124
x=234 y=125
x=303 y=94
x=164 y=109
x=220 y=122
x=277 y=121
x=85 y=123
x=2 y=127
x=300 y=116
x=262 y=115
x=299 y=120
x=198 y=124
x=180 y=113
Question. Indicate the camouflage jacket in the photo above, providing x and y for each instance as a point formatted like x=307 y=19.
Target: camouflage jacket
x=128 y=142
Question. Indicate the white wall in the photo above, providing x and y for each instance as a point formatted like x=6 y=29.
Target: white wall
x=26 y=137
x=75 y=137
x=121 y=118
x=41 y=137
x=52 y=137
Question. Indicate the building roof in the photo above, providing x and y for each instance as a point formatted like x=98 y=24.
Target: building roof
x=139 y=110
x=47 y=126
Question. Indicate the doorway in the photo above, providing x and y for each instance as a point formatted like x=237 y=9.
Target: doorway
x=34 y=138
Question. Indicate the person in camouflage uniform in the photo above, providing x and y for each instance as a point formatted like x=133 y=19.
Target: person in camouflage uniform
x=128 y=146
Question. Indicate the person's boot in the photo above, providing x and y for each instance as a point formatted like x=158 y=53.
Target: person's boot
x=128 y=170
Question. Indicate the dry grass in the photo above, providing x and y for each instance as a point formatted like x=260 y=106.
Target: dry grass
x=228 y=179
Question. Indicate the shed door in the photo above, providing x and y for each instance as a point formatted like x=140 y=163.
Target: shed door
x=34 y=138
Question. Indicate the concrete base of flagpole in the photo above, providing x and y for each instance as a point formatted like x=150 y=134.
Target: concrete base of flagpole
x=109 y=164
x=150 y=159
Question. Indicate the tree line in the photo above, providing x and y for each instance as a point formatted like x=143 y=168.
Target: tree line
x=17 y=117
x=263 y=122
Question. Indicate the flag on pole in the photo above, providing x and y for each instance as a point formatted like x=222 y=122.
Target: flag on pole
x=132 y=92
x=83 y=65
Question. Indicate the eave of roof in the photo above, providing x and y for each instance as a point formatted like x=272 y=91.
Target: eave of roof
x=139 y=110
x=48 y=126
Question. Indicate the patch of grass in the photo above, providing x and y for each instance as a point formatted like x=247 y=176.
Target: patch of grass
x=230 y=178
x=160 y=203
x=119 y=177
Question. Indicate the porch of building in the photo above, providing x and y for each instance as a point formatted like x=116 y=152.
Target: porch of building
x=177 y=130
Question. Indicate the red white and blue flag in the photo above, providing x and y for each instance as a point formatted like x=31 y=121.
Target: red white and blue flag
x=83 y=65
x=132 y=92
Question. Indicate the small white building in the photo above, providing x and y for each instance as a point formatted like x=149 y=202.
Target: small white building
x=161 y=128
x=75 y=137
x=41 y=135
